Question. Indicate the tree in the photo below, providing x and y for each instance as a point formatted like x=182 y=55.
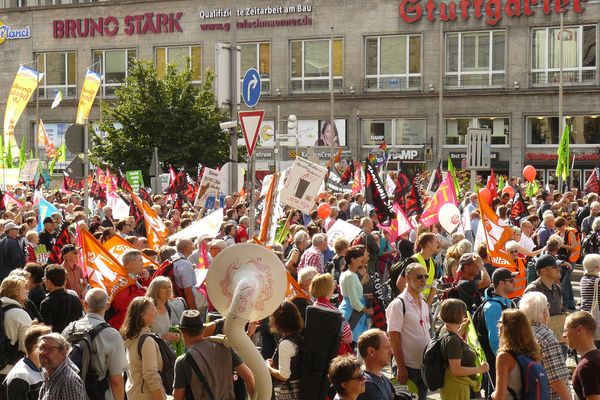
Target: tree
x=171 y=113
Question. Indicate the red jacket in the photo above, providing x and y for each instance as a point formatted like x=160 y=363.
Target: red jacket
x=121 y=301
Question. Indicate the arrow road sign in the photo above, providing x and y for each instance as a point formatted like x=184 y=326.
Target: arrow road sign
x=250 y=122
x=251 y=87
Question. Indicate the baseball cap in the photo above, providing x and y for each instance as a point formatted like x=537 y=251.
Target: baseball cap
x=502 y=274
x=547 y=260
x=48 y=220
x=466 y=258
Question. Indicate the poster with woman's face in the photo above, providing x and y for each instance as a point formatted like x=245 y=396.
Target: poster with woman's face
x=321 y=133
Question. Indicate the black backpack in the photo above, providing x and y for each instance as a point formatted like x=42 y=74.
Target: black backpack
x=434 y=363
x=82 y=352
x=481 y=327
x=168 y=358
x=9 y=353
x=395 y=271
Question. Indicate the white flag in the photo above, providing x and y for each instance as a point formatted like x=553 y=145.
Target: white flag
x=57 y=99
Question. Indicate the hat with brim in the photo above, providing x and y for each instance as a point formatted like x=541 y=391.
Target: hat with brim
x=10 y=225
x=191 y=319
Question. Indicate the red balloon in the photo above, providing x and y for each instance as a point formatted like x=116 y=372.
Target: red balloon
x=324 y=210
x=529 y=172
x=509 y=190
x=485 y=194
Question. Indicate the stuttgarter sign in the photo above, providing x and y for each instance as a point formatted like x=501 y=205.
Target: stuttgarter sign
x=412 y=11
x=9 y=33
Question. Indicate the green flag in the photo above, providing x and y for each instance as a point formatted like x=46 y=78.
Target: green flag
x=22 y=155
x=452 y=173
x=562 y=167
x=531 y=189
x=501 y=183
x=473 y=342
x=2 y=164
x=62 y=153
x=9 y=159
x=51 y=165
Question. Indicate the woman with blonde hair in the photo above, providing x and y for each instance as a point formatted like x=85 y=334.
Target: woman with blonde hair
x=143 y=377
x=161 y=291
x=14 y=292
x=516 y=338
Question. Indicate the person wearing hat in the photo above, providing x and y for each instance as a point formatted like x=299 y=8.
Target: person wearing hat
x=495 y=301
x=48 y=236
x=548 y=270
x=472 y=278
x=75 y=279
x=214 y=361
x=11 y=254
x=547 y=204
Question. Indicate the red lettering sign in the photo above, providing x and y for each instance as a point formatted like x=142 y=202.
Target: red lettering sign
x=554 y=156
x=109 y=26
x=411 y=11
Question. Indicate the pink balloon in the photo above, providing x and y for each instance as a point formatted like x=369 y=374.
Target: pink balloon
x=324 y=210
x=529 y=173
x=509 y=190
x=485 y=194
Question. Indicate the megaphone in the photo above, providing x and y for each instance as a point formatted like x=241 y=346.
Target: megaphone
x=247 y=282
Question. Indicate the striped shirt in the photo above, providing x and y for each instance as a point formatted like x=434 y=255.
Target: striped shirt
x=587 y=285
x=552 y=358
x=75 y=280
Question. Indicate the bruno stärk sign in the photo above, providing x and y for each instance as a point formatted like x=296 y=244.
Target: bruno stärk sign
x=140 y=24
x=492 y=10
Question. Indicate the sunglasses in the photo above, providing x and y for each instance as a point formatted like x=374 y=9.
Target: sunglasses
x=361 y=377
x=419 y=277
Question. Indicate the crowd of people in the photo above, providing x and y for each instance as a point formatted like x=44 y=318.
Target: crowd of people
x=396 y=298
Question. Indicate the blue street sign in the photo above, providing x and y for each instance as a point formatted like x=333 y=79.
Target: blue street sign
x=251 y=87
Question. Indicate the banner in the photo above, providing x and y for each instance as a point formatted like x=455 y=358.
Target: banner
x=42 y=137
x=135 y=179
x=210 y=184
x=592 y=185
x=22 y=89
x=29 y=170
x=208 y=226
x=376 y=195
x=9 y=200
x=343 y=229
x=91 y=84
x=103 y=269
x=46 y=209
x=302 y=185
x=335 y=182
x=119 y=208
x=116 y=246
x=156 y=230
x=562 y=166
x=446 y=193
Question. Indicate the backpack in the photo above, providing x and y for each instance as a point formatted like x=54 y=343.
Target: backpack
x=590 y=244
x=534 y=379
x=455 y=290
x=481 y=328
x=434 y=364
x=395 y=271
x=168 y=358
x=9 y=353
x=81 y=354
x=167 y=268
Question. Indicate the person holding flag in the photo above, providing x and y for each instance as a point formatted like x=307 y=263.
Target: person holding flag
x=460 y=376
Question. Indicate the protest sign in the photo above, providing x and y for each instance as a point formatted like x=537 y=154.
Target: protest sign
x=302 y=185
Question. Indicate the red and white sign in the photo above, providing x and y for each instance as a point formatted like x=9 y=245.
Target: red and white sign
x=250 y=122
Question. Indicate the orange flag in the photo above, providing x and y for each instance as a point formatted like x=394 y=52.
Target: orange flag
x=103 y=269
x=116 y=246
x=496 y=235
x=156 y=230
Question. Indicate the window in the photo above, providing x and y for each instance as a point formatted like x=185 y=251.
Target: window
x=393 y=62
x=311 y=65
x=394 y=132
x=455 y=129
x=475 y=59
x=579 y=55
x=60 y=73
x=257 y=55
x=584 y=130
x=181 y=57
x=114 y=65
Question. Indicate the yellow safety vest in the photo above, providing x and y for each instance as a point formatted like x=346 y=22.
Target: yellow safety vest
x=430 y=272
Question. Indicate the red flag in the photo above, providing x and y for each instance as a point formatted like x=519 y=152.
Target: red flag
x=492 y=185
x=592 y=185
x=156 y=230
x=62 y=239
x=357 y=183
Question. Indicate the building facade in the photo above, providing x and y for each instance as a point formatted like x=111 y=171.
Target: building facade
x=496 y=63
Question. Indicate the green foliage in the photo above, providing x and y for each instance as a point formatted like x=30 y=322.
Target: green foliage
x=179 y=118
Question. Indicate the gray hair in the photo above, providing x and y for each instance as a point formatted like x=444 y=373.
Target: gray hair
x=306 y=274
x=245 y=220
x=97 y=300
x=300 y=237
x=130 y=255
x=595 y=204
x=59 y=339
x=411 y=267
x=533 y=305
x=220 y=243
x=511 y=245
x=319 y=239
x=182 y=244
x=464 y=246
x=516 y=230
x=591 y=263
x=596 y=224
x=548 y=215
x=157 y=283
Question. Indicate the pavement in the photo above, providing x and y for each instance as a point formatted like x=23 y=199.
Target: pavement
x=575 y=278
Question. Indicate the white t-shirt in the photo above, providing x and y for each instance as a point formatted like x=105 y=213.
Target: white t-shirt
x=527 y=243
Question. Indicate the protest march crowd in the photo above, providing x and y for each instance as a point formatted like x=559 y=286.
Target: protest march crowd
x=394 y=290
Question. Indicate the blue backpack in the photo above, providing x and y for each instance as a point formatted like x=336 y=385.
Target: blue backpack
x=534 y=379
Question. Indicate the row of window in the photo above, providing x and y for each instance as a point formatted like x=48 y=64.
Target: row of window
x=542 y=130
x=473 y=59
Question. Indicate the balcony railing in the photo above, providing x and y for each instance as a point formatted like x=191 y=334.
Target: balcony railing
x=475 y=81
x=570 y=78
x=312 y=85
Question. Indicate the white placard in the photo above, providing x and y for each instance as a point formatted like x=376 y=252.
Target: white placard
x=342 y=229
x=302 y=185
x=29 y=169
